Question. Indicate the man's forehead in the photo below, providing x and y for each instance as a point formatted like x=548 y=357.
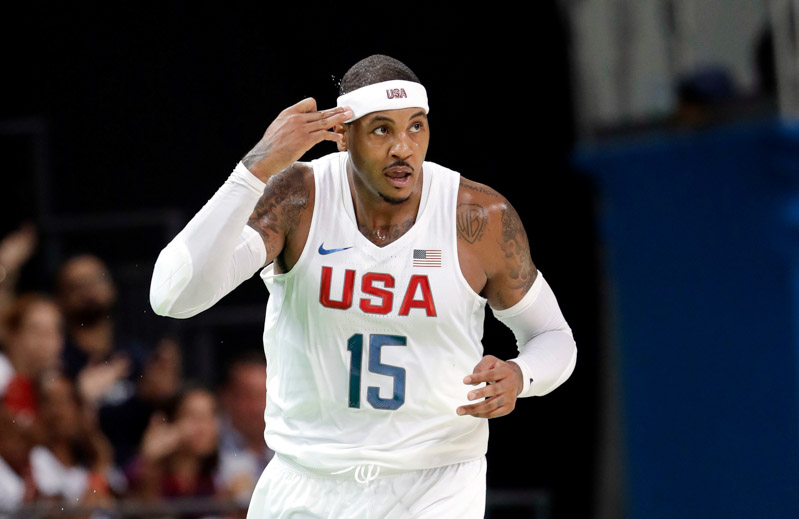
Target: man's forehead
x=394 y=115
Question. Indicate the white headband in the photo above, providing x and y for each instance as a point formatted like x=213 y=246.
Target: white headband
x=388 y=95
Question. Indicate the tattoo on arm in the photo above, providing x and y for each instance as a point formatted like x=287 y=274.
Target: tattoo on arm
x=471 y=220
x=515 y=247
x=279 y=208
x=473 y=186
x=256 y=154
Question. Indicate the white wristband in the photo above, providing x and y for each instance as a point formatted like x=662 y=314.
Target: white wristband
x=547 y=351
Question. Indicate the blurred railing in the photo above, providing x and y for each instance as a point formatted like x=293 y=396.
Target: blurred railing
x=131 y=509
x=639 y=65
x=509 y=504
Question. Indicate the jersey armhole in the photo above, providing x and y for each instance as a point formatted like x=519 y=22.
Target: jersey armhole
x=311 y=227
x=460 y=275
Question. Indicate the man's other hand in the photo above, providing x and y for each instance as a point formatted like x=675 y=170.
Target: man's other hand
x=503 y=384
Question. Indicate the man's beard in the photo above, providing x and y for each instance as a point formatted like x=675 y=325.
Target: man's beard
x=393 y=200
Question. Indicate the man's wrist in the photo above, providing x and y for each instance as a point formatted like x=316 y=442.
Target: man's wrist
x=258 y=162
x=525 y=379
x=247 y=177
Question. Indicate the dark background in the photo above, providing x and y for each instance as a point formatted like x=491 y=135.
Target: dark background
x=119 y=123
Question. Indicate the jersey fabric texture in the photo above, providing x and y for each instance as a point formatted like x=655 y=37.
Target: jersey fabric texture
x=367 y=346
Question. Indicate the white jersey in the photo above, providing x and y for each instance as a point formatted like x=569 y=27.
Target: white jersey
x=367 y=346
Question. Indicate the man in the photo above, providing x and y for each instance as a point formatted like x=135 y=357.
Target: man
x=243 y=455
x=104 y=364
x=381 y=265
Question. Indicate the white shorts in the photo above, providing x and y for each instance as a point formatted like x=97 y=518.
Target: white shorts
x=286 y=491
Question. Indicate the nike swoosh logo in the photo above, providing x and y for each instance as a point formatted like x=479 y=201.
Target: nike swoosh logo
x=323 y=250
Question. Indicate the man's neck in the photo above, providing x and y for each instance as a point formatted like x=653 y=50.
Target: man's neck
x=380 y=221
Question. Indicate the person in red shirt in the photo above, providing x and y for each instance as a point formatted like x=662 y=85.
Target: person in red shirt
x=34 y=340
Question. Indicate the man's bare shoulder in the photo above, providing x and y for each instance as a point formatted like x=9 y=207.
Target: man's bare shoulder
x=287 y=201
x=491 y=232
x=297 y=173
x=470 y=189
x=302 y=172
x=478 y=205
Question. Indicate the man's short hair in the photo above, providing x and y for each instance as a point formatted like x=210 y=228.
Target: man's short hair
x=375 y=69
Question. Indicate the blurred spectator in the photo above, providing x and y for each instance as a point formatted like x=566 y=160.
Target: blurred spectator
x=15 y=249
x=179 y=453
x=243 y=452
x=103 y=363
x=125 y=423
x=34 y=341
x=16 y=483
x=74 y=460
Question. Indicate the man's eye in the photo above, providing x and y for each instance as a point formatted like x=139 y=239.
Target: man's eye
x=381 y=130
x=416 y=127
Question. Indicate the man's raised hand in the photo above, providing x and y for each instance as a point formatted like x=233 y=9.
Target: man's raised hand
x=296 y=130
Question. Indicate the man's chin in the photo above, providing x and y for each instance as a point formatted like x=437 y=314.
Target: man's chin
x=394 y=200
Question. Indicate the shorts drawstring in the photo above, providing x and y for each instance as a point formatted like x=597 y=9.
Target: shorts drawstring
x=364 y=474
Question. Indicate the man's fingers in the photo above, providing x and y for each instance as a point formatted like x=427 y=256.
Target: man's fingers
x=485 y=392
x=499 y=411
x=486 y=363
x=483 y=408
x=325 y=135
x=325 y=114
x=306 y=105
x=490 y=375
x=330 y=120
x=496 y=395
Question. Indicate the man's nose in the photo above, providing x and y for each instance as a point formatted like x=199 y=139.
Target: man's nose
x=402 y=147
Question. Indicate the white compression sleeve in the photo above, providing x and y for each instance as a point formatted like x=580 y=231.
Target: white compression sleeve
x=547 y=351
x=213 y=254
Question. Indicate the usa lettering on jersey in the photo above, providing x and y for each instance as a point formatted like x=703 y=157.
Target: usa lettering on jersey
x=380 y=286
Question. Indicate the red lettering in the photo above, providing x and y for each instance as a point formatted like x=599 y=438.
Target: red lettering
x=346 y=297
x=427 y=297
x=395 y=92
x=386 y=296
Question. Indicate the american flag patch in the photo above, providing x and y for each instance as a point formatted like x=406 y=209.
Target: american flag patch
x=426 y=257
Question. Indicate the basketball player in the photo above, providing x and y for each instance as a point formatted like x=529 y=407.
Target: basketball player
x=379 y=265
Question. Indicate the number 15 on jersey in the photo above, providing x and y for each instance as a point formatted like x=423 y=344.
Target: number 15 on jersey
x=376 y=343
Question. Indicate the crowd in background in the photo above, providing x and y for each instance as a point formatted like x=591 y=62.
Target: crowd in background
x=89 y=416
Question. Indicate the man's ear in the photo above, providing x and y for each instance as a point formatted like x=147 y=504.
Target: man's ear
x=341 y=129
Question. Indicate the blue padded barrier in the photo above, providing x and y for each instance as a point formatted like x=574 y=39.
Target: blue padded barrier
x=701 y=235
